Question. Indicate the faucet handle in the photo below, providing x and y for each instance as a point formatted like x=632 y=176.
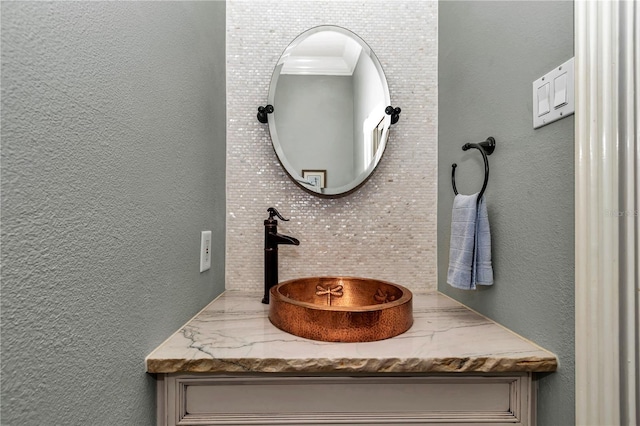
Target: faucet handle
x=273 y=212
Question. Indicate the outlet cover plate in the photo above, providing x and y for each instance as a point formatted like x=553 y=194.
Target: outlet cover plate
x=205 y=251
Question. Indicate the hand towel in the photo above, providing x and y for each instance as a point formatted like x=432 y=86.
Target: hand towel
x=470 y=249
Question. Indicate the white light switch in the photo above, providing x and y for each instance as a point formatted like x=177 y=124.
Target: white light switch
x=560 y=91
x=543 y=100
x=553 y=96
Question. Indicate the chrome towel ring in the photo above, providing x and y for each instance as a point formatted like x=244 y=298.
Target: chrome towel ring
x=486 y=148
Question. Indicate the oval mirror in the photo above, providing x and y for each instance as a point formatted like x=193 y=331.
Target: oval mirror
x=328 y=126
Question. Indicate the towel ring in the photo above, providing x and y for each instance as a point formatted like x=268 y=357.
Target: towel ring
x=486 y=148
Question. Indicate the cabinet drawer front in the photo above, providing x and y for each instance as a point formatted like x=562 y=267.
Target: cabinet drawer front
x=194 y=400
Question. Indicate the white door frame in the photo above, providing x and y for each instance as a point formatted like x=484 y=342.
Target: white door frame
x=606 y=211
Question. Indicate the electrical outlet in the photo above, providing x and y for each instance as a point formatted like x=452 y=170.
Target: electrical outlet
x=205 y=251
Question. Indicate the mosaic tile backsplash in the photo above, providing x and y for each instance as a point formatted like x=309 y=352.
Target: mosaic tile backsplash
x=386 y=229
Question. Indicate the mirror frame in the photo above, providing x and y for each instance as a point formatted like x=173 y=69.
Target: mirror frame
x=331 y=192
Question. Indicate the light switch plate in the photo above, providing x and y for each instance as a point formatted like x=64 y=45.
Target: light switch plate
x=560 y=101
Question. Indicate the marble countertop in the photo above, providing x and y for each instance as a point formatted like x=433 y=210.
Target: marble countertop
x=233 y=334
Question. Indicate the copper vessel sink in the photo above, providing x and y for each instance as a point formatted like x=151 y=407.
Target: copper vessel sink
x=341 y=309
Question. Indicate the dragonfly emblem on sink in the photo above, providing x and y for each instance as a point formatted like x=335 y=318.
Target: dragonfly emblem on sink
x=335 y=291
x=383 y=297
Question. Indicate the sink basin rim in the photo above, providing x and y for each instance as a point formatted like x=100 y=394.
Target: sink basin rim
x=406 y=295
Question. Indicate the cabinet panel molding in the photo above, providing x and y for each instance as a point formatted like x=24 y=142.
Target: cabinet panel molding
x=202 y=399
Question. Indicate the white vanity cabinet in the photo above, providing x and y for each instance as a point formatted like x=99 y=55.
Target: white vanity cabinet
x=451 y=399
x=230 y=366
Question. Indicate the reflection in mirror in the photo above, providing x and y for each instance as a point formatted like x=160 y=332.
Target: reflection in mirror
x=329 y=127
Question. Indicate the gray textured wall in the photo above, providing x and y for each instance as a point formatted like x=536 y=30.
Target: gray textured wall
x=489 y=54
x=113 y=145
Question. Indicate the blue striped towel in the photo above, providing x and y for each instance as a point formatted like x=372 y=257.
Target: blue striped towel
x=470 y=249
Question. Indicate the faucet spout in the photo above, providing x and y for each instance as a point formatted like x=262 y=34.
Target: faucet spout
x=277 y=239
x=272 y=239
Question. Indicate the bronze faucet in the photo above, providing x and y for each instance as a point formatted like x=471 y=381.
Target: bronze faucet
x=271 y=242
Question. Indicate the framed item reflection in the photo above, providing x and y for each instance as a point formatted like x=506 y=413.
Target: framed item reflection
x=317 y=178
